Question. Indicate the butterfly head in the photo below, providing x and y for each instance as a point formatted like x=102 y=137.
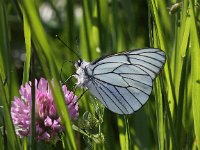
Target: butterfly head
x=81 y=73
x=78 y=63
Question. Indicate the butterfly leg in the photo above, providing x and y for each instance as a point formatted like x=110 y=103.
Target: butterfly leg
x=67 y=78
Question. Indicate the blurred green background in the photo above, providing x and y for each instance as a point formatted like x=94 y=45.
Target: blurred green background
x=94 y=28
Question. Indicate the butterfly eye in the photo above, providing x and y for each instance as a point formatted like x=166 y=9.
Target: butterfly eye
x=79 y=62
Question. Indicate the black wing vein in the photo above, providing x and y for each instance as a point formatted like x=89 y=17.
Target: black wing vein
x=145 y=62
x=134 y=80
x=123 y=97
x=99 y=93
x=111 y=98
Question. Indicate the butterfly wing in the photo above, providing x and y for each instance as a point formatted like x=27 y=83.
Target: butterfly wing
x=123 y=82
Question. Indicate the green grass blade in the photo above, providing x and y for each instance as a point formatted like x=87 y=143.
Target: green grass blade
x=43 y=51
x=12 y=141
x=171 y=94
x=195 y=61
x=6 y=86
x=5 y=64
x=159 y=115
x=87 y=18
x=27 y=36
x=180 y=77
x=123 y=135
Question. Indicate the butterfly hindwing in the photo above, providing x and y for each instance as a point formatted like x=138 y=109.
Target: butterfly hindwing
x=121 y=100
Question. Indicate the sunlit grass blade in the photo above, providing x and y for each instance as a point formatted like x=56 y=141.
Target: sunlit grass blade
x=87 y=24
x=162 y=45
x=165 y=19
x=47 y=62
x=159 y=115
x=179 y=75
x=123 y=134
x=187 y=114
x=27 y=37
x=195 y=61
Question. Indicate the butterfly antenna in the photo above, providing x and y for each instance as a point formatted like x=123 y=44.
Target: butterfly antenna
x=73 y=89
x=57 y=36
x=77 y=44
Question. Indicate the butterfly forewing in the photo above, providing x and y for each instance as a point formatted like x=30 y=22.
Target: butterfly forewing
x=123 y=82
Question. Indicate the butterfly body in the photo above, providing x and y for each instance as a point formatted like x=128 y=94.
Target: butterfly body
x=123 y=81
x=81 y=73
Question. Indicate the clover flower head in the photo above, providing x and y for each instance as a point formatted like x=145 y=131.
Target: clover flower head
x=48 y=123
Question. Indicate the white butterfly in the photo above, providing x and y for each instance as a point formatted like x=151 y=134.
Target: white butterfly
x=123 y=81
